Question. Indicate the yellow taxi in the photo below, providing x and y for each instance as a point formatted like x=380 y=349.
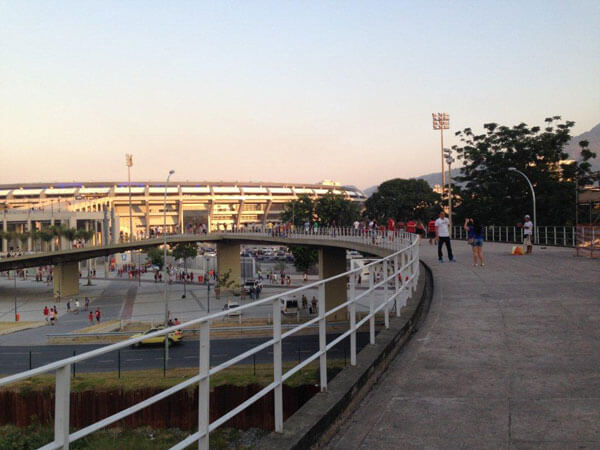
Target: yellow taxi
x=174 y=337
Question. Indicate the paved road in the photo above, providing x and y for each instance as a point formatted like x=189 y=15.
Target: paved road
x=15 y=359
x=509 y=357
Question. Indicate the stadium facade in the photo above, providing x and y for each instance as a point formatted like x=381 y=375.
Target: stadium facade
x=104 y=206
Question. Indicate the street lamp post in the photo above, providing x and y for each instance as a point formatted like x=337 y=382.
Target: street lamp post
x=449 y=161
x=129 y=163
x=171 y=172
x=441 y=121
x=514 y=169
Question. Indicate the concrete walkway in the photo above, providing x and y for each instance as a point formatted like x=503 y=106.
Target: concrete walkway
x=508 y=357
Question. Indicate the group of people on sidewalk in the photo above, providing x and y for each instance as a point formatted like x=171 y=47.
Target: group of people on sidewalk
x=439 y=230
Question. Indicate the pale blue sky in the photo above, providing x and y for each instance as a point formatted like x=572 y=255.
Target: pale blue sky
x=279 y=91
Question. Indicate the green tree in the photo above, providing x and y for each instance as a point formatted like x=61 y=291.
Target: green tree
x=496 y=195
x=299 y=211
x=185 y=250
x=402 y=200
x=304 y=257
x=155 y=254
x=334 y=209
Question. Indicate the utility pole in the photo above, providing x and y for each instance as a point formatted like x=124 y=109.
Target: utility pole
x=129 y=163
x=441 y=121
x=449 y=160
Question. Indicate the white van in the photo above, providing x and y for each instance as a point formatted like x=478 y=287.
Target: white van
x=289 y=305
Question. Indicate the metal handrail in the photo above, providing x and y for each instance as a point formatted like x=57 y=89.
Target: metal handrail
x=403 y=257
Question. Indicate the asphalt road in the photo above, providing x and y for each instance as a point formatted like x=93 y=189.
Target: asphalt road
x=15 y=359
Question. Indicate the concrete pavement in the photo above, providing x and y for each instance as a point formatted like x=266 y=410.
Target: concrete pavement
x=509 y=357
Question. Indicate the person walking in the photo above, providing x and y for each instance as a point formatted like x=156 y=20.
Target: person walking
x=76 y=306
x=46 y=314
x=475 y=238
x=98 y=314
x=87 y=303
x=442 y=236
x=91 y=317
x=431 y=231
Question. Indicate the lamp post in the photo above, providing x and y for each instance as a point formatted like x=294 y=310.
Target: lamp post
x=441 y=121
x=514 y=169
x=449 y=161
x=129 y=163
x=171 y=172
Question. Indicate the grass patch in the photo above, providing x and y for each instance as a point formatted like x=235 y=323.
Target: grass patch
x=35 y=436
x=11 y=327
x=239 y=375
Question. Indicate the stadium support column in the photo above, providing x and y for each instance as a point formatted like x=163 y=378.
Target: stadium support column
x=332 y=261
x=66 y=279
x=228 y=258
x=29 y=237
x=4 y=240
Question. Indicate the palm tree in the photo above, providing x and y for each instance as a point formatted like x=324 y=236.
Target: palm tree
x=46 y=235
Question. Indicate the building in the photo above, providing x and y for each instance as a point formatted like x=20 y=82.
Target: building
x=104 y=206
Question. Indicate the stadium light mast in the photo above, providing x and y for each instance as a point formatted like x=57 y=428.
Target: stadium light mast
x=449 y=161
x=441 y=121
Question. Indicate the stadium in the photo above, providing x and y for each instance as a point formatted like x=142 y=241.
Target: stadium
x=104 y=206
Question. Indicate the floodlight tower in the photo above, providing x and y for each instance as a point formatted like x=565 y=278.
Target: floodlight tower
x=441 y=121
x=449 y=160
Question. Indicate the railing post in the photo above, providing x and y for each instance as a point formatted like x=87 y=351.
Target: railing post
x=514 y=234
x=62 y=406
x=397 y=276
x=564 y=236
x=506 y=234
x=371 y=306
x=554 y=236
x=386 y=312
x=204 y=385
x=353 y=319
x=322 y=338
x=546 y=235
x=278 y=391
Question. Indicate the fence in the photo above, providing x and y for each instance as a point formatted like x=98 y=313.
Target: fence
x=553 y=236
x=588 y=241
x=400 y=271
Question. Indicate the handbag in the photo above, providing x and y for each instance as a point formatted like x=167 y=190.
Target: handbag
x=470 y=241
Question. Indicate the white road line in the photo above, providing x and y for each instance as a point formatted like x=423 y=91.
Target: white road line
x=189 y=357
x=106 y=361
x=135 y=359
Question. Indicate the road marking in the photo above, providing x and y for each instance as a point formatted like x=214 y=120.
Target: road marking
x=106 y=361
x=135 y=359
x=189 y=357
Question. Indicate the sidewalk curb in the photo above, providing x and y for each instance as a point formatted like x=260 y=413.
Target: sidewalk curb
x=320 y=418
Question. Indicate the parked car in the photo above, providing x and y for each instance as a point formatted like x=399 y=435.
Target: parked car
x=231 y=305
x=252 y=286
x=174 y=337
x=289 y=305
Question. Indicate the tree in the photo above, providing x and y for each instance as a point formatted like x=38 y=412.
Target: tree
x=155 y=254
x=304 y=257
x=46 y=236
x=336 y=210
x=496 y=195
x=401 y=200
x=185 y=250
x=299 y=211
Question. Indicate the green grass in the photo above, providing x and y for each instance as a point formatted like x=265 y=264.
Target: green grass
x=240 y=375
x=35 y=436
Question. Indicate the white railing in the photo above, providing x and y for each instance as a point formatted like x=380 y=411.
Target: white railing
x=400 y=271
x=551 y=235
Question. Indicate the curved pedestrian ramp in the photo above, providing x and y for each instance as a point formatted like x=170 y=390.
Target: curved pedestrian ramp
x=508 y=358
x=396 y=260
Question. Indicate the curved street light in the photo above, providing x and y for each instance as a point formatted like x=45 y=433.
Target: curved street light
x=171 y=172
x=514 y=169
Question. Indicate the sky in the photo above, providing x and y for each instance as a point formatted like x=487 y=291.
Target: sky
x=279 y=91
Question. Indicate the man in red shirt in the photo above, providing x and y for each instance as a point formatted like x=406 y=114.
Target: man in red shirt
x=391 y=224
x=411 y=226
x=431 y=231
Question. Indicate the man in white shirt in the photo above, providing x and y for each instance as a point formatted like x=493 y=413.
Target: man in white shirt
x=442 y=236
x=528 y=234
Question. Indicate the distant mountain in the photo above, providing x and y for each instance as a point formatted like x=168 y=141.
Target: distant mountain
x=593 y=136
